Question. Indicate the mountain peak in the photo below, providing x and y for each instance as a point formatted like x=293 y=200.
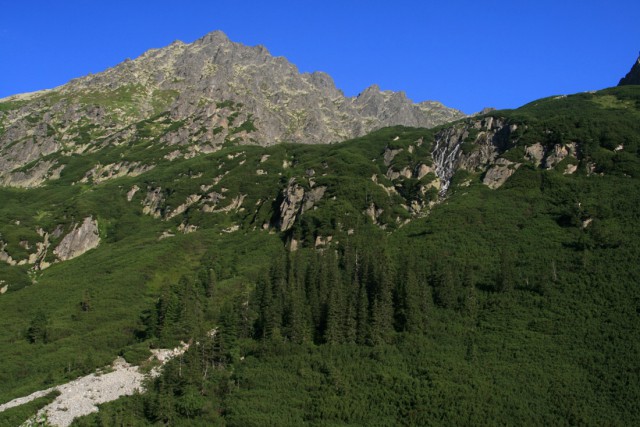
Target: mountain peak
x=214 y=37
x=374 y=88
x=633 y=76
x=210 y=92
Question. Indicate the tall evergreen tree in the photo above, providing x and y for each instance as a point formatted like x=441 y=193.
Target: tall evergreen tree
x=444 y=286
x=297 y=311
x=409 y=314
x=505 y=280
x=311 y=284
x=336 y=309
x=267 y=314
x=363 y=330
x=469 y=303
x=382 y=310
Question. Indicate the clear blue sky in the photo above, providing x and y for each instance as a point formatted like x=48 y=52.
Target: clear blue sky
x=466 y=54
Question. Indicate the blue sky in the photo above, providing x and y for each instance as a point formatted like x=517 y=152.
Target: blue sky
x=466 y=54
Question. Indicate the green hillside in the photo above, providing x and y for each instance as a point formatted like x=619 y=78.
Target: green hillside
x=381 y=301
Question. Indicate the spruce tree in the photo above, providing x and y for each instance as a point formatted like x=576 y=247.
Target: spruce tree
x=505 y=280
x=408 y=302
x=333 y=333
x=311 y=284
x=444 y=285
x=382 y=310
x=470 y=296
x=363 y=330
x=335 y=307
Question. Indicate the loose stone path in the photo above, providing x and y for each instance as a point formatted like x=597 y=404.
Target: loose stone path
x=83 y=395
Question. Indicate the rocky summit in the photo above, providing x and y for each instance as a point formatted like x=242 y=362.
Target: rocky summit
x=192 y=98
x=633 y=76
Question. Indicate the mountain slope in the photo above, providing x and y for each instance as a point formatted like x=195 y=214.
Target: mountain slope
x=514 y=303
x=187 y=99
x=517 y=230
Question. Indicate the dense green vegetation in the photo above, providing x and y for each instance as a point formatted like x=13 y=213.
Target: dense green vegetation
x=540 y=331
x=94 y=302
x=599 y=122
x=17 y=415
x=518 y=305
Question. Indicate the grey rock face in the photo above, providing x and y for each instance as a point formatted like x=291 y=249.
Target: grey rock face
x=633 y=76
x=100 y=173
x=499 y=173
x=34 y=176
x=550 y=157
x=296 y=201
x=312 y=197
x=213 y=91
x=488 y=138
x=292 y=199
x=422 y=170
x=389 y=154
x=556 y=156
x=373 y=212
x=152 y=203
x=4 y=256
x=535 y=153
x=79 y=240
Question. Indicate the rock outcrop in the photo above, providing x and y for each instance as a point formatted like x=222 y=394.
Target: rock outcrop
x=389 y=155
x=191 y=200
x=37 y=259
x=550 y=157
x=373 y=212
x=633 y=76
x=34 y=176
x=79 y=240
x=559 y=153
x=498 y=174
x=486 y=139
x=534 y=153
x=132 y=192
x=4 y=255
x=296 y=201
x=153 y=202
x=291 y=201
x=312 y=197
x=235 y=205
x=422 y=170
x=100 y=173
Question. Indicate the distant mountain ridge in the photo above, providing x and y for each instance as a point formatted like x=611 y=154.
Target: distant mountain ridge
x=199 y=96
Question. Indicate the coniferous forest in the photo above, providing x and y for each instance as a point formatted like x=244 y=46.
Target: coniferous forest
x=458 y=327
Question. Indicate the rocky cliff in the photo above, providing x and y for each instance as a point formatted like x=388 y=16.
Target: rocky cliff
x=633 y=76
x=189 y=99
x=80 y=239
